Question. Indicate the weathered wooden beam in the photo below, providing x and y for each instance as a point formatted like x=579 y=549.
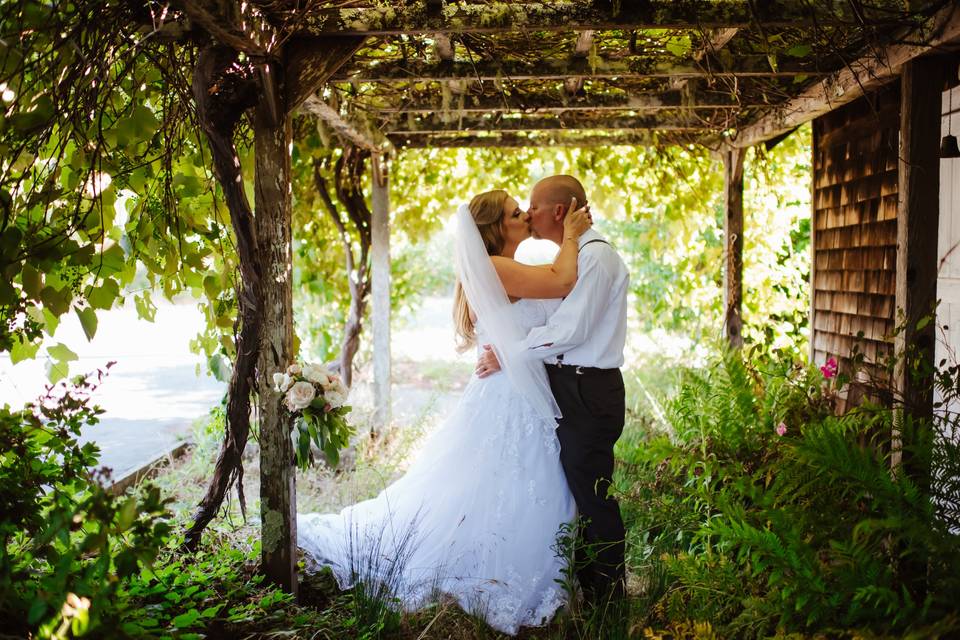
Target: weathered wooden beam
x=516 y=140
x=273 y=230
x=414 y=17
x=815 y=145
x=225 y=24
x=317 y=107
x=859 y=77
x=626 y=68
x=733 y=246
x=918 y=210
x=380 y=236
x=309 y=62
x=580 y=50
x=443 y=46
x=553 y=102
x=713 y=41
x=436 y=124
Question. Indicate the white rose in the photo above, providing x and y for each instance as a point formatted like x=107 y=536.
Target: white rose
x=338 y=386
x=316 y=373
x=282 y=381
x=335 y=398
x=294 y=369
x=300 y=396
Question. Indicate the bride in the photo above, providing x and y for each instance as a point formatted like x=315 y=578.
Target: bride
x=477 y=515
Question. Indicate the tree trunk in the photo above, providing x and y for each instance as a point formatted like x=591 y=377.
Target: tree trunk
x=219 y=112
x=733 y=247
x=348 y=172
x=351 y=333
x=273 y=221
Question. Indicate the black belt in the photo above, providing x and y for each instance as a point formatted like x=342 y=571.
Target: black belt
x=577 y=370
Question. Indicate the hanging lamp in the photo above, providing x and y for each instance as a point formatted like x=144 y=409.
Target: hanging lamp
x=948 y=144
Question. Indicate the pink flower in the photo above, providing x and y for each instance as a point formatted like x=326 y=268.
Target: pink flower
x=327 y=408
x=830 y=369
x=782 y=428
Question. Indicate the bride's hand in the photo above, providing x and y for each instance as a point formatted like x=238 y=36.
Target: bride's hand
x=576 y=222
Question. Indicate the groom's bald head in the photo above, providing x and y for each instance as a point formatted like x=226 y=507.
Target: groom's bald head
x=549 y=201
x=559 y=190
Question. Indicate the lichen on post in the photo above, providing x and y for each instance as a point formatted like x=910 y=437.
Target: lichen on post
x=272 y=139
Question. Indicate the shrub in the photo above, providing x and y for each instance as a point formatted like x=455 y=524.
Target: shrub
x=773 y=514
x=67 y=543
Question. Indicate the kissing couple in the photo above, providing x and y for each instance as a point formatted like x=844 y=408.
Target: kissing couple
x=527 y=454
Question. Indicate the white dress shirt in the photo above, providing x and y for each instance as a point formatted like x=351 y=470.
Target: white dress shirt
x=590 y=326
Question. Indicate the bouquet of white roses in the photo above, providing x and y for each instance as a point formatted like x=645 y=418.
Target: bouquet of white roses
x=317 y=399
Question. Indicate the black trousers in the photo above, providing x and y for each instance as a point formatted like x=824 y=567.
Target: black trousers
x=593 y=409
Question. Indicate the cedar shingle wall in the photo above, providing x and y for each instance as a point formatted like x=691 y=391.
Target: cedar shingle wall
x=855 y=226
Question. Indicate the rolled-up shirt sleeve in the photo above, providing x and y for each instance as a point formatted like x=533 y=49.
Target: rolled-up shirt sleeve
x=569 y=325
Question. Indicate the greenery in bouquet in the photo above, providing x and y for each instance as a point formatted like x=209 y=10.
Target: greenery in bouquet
x=317 y=399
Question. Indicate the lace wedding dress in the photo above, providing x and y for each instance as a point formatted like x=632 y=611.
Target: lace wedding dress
x=475 y=518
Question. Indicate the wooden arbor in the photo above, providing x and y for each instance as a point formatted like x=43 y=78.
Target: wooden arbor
x=432 y=73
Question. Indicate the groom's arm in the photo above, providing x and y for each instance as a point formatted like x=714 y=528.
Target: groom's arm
x=570 y=324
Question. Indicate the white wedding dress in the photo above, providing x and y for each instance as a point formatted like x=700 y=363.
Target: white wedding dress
x=476 y=517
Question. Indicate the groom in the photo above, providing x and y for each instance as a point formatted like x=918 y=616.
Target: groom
x=582 y=345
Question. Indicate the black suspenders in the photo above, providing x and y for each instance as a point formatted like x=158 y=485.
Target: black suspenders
x=591 y=242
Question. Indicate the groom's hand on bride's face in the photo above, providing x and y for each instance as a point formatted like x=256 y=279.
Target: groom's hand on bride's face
x=487 y=364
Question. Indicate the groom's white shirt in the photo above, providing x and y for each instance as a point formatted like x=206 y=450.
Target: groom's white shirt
x=590 y=326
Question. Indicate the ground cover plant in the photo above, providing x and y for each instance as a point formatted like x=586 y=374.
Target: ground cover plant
x=66 y=543
x=753 y=510
x=760 y=511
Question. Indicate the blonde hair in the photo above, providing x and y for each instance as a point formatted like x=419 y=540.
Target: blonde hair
x=487 y=211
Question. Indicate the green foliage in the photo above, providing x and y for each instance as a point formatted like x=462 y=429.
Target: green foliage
x=105 y=193
x=67 y=543
x=215 y=592
x=774 y=515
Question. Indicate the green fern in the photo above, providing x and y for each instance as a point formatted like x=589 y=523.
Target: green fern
x=763 y=533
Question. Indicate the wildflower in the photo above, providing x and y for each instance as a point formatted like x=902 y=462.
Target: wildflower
x=782 y=428
x=829 y=370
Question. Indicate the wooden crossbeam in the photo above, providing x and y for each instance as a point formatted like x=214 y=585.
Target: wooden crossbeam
x=861 y=76
x=546 y=102
x=414 y=18
x=514 y=140
x=317 y=107
x=436 y=124
x=745 y=66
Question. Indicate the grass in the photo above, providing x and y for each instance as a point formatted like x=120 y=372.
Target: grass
x=369 y=466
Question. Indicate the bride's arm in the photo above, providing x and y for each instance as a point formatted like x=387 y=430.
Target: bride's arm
x=546 y=281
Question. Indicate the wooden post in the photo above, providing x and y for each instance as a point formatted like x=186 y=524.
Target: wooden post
x=812 y=317
x=272 y=138
x=380 y=232
x=733 y=246
x=918 y=213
